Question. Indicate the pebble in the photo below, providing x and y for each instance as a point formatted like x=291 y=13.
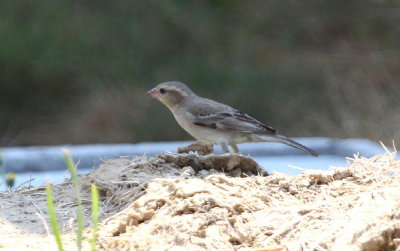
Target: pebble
x=187 y=171
x=284 y=184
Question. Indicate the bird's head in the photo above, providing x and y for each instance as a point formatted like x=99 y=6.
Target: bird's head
x=171 y=94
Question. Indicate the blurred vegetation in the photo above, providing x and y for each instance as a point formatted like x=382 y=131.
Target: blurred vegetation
x=77 y=71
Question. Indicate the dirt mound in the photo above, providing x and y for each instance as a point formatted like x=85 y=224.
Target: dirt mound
x=192 y=202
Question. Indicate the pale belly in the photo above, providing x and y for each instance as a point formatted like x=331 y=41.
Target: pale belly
x=209 y=134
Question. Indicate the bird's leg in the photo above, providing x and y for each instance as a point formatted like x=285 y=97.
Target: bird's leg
x=235 y=148
x=224 y=147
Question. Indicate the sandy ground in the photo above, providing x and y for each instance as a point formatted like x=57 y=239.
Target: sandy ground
x=188 y=201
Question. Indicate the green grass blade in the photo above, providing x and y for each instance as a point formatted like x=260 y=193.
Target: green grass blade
x=2 y=171
x=75 y=183
x=95 y=216
x=53 y=217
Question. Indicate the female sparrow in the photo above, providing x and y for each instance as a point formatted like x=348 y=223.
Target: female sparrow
x=215 y=122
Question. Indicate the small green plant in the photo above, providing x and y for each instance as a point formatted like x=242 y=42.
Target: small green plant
x=75 y=183
x=95 y=216
x=53 y=218
x=80 y=216
x=10 y=179
x=1 y=166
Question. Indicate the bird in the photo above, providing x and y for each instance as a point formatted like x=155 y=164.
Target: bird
x=214 y=122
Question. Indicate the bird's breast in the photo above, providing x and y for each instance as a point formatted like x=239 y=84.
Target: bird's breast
x=185 y=120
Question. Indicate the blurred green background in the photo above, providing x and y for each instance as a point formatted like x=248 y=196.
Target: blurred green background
x=77 y=71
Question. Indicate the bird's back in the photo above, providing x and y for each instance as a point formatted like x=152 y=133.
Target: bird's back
x=218 y=116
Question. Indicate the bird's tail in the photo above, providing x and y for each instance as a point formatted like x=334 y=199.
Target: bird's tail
x=286 y=141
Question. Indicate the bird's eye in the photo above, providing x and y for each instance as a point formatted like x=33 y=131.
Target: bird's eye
x=162 y=90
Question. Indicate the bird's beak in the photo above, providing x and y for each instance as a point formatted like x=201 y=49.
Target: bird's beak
x=153 y=93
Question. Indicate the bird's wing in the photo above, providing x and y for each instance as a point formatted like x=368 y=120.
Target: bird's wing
x=222 y=117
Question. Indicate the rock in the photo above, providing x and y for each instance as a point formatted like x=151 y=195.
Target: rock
x=223 y=163
x=201 y=147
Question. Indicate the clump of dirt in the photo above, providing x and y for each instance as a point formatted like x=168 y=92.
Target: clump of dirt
x=201 y=147
x=194 y=202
